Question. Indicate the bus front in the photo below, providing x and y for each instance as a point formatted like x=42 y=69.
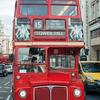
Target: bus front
x=47 y=38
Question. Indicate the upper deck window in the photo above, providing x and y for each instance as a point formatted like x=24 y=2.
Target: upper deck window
x=33 y=1
x=64 y=10
x=38 y=10
x=40 y=7
x=63 y=2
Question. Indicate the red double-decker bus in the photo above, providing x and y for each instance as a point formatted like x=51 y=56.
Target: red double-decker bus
x=47 y=38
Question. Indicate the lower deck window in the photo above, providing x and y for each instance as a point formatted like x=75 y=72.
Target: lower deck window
x=31 y=68
x=62 y=61
x=31 y=60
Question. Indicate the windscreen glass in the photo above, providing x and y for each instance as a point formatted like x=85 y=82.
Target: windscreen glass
x=62 y=61
x=62 y=58
x=91 y=67
x=31 y=60
x=37 y=10
x=64 y=10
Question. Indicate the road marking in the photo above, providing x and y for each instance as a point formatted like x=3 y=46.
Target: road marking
x=7 y=83
x=10 y=91
x=7 y=87
x=0 y=87
x=3 y=91
x=1 y=98
x=8 y=98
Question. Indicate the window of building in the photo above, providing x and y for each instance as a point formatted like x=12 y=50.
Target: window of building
x=97 y=6
x=95 y=33
x=98 y=55
x=95 y=9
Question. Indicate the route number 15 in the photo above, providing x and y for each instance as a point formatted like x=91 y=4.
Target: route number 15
x=38 y=24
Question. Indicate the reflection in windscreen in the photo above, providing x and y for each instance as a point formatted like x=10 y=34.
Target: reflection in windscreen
x=31 y=60
x=64 y=10
x=62 y=61
x=91 y=67
x=63 y=2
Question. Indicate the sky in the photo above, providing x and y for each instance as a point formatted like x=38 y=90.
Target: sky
x=7 y=14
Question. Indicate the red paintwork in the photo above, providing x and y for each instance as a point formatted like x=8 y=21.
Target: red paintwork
x=42 y=93
x=59 y=93
x=31 y=81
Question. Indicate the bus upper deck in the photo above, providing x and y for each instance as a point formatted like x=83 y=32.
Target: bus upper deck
x=48 y=20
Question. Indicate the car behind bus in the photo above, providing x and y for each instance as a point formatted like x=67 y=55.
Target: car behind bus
x=9 y=68
x=3 y=70
x=90 y=74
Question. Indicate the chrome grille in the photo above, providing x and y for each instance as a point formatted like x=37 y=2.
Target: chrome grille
x=50 y=92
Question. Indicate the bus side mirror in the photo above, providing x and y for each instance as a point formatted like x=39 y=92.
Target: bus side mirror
x=79 y=70
x=11 y=57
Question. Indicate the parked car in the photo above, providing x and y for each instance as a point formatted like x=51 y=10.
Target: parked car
x=90 y=74
x=9 y=68
x=3 y=70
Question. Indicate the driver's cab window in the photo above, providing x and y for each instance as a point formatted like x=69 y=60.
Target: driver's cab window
x=62 y=60
x=31 y=60
x=31 y=55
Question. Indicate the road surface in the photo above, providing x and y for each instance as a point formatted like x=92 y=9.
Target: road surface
x=6 y=90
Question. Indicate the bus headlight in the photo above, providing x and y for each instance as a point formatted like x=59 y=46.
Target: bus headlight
x=18 y=77
x=77 y=92
x=22 y=94
x=89 y=78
